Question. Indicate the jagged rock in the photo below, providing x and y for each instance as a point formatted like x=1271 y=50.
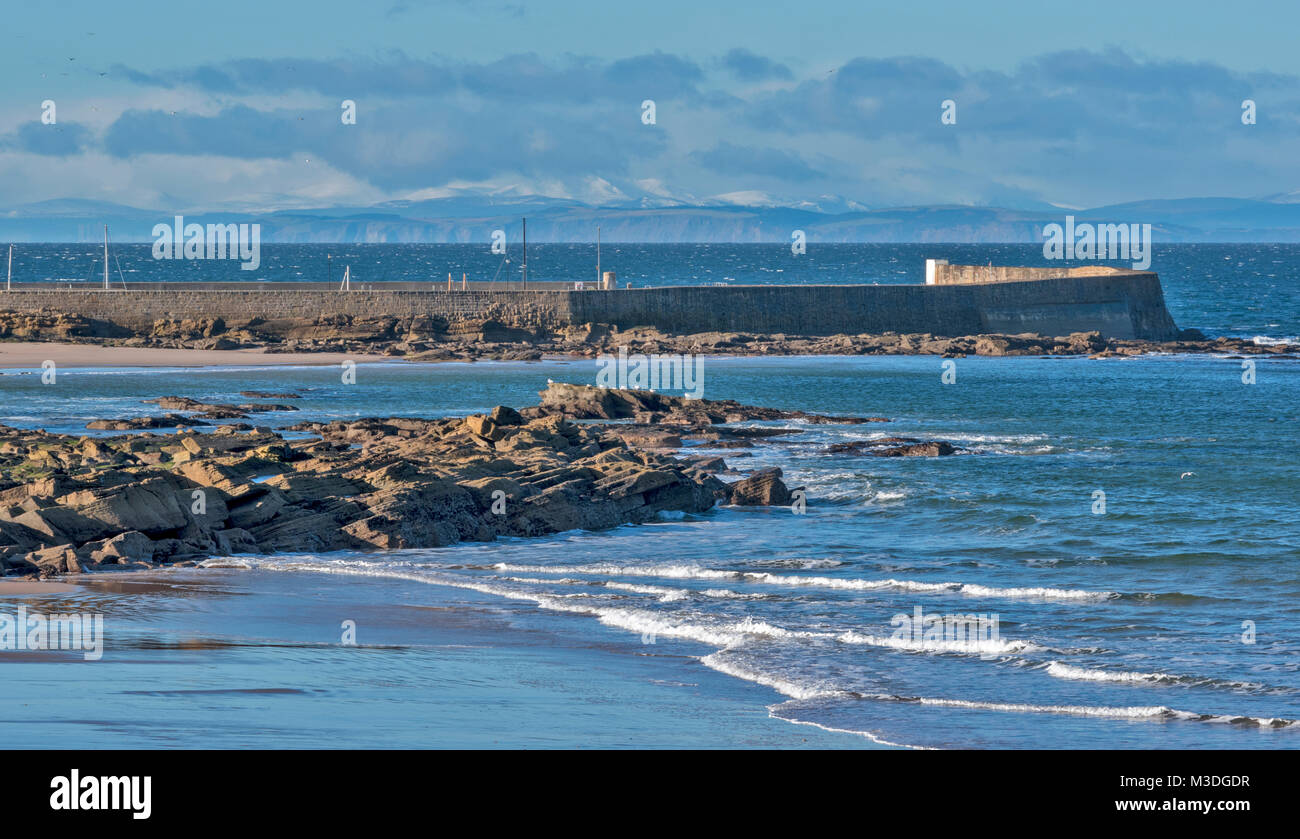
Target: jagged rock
x=140 y=423
x=484 y=427
x=502 y=415
x=894 y=447
x=586 y=402
x=235 y=540
x=61 y=559
x=371 y=483
x=762 y=489
x=252 y=510
x=934 y=448
x=150 y=506
x=132 y=545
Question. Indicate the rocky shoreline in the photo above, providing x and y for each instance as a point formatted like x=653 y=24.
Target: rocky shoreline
x=70 y=504
x=434 y=339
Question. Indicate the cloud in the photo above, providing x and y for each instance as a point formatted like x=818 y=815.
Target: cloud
x=513 y=77
x=397 y=146
x=399 y=76
x=729 y=159
x=1078 y=127
x=61 y=139
x=751 y=67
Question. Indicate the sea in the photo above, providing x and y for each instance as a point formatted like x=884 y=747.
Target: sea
x=1123 y=532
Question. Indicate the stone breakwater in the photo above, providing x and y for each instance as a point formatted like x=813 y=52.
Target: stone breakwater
x=70 y=504
x=1127 y=306
x=422 y=338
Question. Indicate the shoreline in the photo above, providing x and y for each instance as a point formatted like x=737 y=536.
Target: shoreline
x=30 y=354
x=453 y=668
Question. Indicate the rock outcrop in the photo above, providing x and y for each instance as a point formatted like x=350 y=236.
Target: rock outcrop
x=432 y=338
x=894 y=447
x=586 y=402
x=69 y=504
x=762 y=489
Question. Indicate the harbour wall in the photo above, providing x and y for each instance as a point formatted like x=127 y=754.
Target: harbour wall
x=1119 y=305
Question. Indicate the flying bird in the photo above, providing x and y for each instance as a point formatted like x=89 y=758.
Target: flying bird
x=1186 y=475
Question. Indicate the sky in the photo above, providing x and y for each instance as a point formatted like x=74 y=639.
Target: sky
x=190 y=106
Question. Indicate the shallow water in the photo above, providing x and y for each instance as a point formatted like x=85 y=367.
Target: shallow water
x=1117 y=629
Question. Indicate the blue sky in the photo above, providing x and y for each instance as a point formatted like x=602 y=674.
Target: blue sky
x=187 y=106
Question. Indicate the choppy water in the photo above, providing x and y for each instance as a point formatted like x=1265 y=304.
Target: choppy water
x=1233 y=289
x=1122 y=629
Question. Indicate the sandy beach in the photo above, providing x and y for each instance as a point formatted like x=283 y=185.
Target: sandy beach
x=30 y=355
x=16 y=587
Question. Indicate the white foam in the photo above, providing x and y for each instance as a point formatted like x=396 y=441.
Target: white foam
x=1130 y=712
x=726 y=636
x=1267 y=341
x=226 y=562
x=982 y=646
x=682 y=572
x=635 y=620
x=779 y=684
x=695 y=572
x=771 y=712
x=665 y=594
x=1069 y=671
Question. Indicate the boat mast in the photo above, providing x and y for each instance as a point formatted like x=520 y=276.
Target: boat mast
x=525 y=253
x=106 y=257
x=598 y=277
x=9 y=278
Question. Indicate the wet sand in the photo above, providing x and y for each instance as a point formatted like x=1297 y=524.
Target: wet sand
x=18 y=587
x=32 y=354
x=192 y=655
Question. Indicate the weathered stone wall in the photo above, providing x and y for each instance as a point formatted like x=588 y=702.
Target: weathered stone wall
x=945 y=274
x=1129 y=305
x=139 y=309
x=1120 y=305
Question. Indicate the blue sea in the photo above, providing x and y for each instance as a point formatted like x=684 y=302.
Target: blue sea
x=1128 y=525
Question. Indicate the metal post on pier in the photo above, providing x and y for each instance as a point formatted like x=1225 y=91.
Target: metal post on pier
x=525 y=254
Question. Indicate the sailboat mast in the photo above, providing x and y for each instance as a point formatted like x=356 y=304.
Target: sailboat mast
x=9 y=278
x=106 y=257
x=525 y=253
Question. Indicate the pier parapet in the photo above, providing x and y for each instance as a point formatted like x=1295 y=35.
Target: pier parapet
x=962 y=301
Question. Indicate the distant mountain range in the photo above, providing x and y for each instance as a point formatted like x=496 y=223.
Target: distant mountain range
x=471 y=218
